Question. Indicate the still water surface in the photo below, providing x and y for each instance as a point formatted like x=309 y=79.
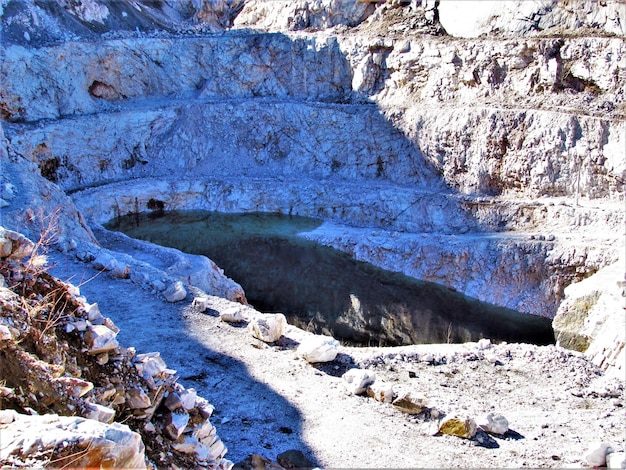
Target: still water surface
x=326 y=291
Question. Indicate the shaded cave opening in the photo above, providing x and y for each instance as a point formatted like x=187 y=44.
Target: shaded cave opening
x=327 y=291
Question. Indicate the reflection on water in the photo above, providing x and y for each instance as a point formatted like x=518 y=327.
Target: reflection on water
x=326 y=291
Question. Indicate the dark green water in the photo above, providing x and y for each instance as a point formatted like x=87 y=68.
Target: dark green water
x=326 y=291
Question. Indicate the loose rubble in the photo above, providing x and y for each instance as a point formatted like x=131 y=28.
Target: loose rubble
x=71 y=383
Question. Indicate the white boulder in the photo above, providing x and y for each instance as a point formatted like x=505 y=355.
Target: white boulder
x=318 y=348
x=175 y=293
x=595 y=455
x=235 y=314
x=493 y=423
x=381 y=391
x=356 y=381
x=268 y=327
x=100 y=339
x=616 y=460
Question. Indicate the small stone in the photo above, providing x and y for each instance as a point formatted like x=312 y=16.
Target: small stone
x=204 y=430
x=616 y=460
x=7 y=416
x=233 y=315
x=460 y=427
x=318 y=348
x=188 y=398
x=356 y=381
x=218 y=449
x=201 y=304
x=493 y=423
x=175 y=293
x=187 y=445
x=76 y=387
x=102 y=358
x=100 y=339
x=5 y=333
x=381 y=391
x=204 y=407
x=484 y=343
x=93 y=314
x=268 y=327
x=176 y=424
x=150 y=364
x=595 y=455
x=429 y=358
x=294 y=459
x=101 y=413
x=137 y=399
x=14 y=244
x=411 y=402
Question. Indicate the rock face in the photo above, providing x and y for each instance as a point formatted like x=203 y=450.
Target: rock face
x=591 y=319
x=498 y=157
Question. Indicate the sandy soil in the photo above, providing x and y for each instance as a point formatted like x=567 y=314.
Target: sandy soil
x=268 y=400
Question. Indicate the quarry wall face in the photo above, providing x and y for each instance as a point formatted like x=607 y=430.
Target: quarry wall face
x=369 y=117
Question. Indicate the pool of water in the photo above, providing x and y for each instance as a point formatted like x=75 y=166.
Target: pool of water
x=325 y=290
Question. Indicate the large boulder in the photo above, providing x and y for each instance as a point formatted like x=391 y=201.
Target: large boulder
x=71 y=441
x=591 y=319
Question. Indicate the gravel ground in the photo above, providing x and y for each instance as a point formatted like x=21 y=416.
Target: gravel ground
x=268 y=400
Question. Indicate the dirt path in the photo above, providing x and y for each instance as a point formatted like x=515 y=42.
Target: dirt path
x=267 y=400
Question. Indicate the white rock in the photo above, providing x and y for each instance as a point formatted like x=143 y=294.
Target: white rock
x=616 y=460
x=484 y=343
x=356 y=381
x=595 y=455
x=204 y=430
x=268 y=327
x=176 y=424
x=7 y=416
x=105 y=445
x=137 y=399
x=234 y=315
x=150 y=364
x=175 y=293
x=76 y=387
x=318 y=348
x=188 y=445
x=101 y=413
x=218 y=449
x=5 y=333
x=204 y=407
x=200 y=303
x=100 y=339
x=493 y=423
x=188 y=398
x=381 y=391
x=93 y=314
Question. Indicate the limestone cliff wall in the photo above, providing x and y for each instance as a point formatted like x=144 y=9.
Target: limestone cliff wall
x=365 y=115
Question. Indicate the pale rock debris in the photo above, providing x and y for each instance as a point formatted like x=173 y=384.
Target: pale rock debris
x=268 y=327
x=100 y=339
x=493 y=423
x=318 y=348
x=596 y=454
x=356 y=381
x=410 y=402
x=381 y=391
x=175 y=292
x=616 y=460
